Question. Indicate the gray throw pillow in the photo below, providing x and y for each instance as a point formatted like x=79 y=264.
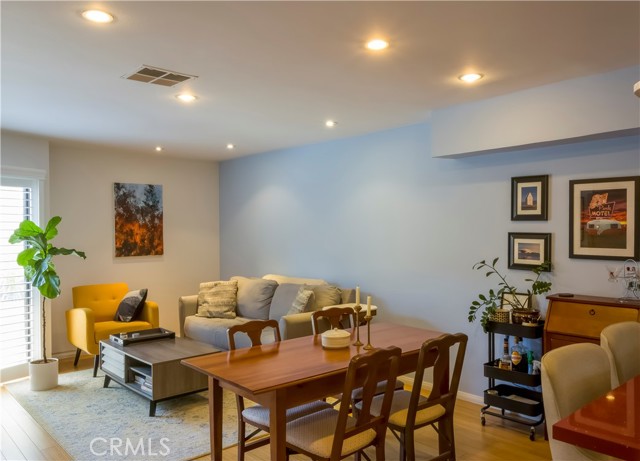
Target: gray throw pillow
x=218 y=299
x=324 y=295
x=301 y=302
x=283 y=299
x=254 y=297
x=131 y=306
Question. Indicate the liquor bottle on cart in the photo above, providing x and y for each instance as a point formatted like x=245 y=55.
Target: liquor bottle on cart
x=519 y=356
x=505 y=361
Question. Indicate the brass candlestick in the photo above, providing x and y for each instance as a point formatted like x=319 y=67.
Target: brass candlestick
x=368 y=320
x=357 y=308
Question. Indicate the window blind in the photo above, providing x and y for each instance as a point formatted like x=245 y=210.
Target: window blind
x=16 y=298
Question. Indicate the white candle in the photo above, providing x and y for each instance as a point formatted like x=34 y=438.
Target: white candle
x=357 y=295
x=368 y=306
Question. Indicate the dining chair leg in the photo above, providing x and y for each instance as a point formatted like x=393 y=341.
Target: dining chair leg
x=96 y=363
x=402 y=451
x=75 y=361
x=409 y=445
x=380 y=451
x=449 y=434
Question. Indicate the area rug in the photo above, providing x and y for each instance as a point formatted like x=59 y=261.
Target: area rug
x=94 y=423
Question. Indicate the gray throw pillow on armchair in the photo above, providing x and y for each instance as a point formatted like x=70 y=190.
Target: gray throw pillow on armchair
x=131 y=305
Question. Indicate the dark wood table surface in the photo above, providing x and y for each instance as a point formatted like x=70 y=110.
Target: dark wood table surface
x=293 y=372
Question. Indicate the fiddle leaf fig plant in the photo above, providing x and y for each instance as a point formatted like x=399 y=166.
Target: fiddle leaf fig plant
x=486 y=304
x=37 y=261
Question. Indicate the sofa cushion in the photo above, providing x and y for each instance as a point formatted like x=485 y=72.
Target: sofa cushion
x=324 y=295
x=254 y=297
x=210 y=330
x=131 y=305
x=283 y=299
x=218 y=299
x=301 y=301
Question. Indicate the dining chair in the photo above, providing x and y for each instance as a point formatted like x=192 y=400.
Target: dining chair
x=572 y=376
x=621 y=342
x=331 y=435
x=334 y=317
x=411 y=410
x=257 y=415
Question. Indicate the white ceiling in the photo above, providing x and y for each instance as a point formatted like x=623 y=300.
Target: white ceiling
x=270 y=73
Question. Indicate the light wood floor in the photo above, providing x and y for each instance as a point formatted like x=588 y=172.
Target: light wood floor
x=23 y=439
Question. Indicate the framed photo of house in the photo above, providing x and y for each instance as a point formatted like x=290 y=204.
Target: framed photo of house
x=529 y=198
x=528 y=250
x=603 y=218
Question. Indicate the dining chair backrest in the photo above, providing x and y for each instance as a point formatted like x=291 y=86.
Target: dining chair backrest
x=366 y=371
x=572 y=376
x=254 y=330
x=335 y=317
x=621 y=342
x=446 y=380
x=411 y=410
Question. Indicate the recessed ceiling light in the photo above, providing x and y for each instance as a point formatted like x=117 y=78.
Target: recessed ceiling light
x=470 y=78
x=231 y=146
x=377 y=44
x=101 y=17
x=330 y=123
x=186 y=97
x=158 y=148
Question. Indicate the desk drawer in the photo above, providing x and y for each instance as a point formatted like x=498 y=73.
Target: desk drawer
x=587 y=320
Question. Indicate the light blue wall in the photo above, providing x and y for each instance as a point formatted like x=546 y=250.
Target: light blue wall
x=592 y=106
x=378 y=211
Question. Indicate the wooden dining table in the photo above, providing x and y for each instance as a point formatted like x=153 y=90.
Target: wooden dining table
x=292 y=372
x=609 y=424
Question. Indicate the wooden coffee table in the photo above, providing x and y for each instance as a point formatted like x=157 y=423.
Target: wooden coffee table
x=152 y=369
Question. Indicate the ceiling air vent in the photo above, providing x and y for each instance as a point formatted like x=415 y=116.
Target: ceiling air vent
x=157 y=76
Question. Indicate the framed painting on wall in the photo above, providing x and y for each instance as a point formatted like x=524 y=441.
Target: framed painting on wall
x=529 y=198
x=603 y=218
x=529 y=250
x=138 y=219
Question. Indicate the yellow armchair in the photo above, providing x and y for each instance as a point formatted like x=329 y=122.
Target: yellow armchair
x=91 y=318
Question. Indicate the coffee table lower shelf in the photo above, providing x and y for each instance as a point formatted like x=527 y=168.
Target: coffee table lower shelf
x=153 y=370
x=137 y=389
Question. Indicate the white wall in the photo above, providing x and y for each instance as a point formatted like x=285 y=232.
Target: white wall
x=20 y=151
x=82 y=194
x=381 y=212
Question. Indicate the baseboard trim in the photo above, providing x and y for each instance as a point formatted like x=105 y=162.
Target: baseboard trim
x=426 y=386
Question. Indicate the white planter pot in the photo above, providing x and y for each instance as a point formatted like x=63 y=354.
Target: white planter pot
x=42 y=375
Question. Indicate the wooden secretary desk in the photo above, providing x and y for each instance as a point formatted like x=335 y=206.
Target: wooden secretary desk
x=579 y=318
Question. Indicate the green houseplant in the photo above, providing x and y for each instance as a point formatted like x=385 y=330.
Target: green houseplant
x=39 y=270
x=487 y=304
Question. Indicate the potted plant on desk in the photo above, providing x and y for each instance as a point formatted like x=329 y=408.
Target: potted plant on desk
x=488 y=305
x=39 y=270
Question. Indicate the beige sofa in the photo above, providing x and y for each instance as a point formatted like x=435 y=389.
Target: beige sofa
x=269 y=297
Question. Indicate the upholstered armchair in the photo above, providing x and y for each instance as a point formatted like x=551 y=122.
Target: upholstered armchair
x=92 y=318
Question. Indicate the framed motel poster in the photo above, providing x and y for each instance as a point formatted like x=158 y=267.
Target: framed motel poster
x=603 y=218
